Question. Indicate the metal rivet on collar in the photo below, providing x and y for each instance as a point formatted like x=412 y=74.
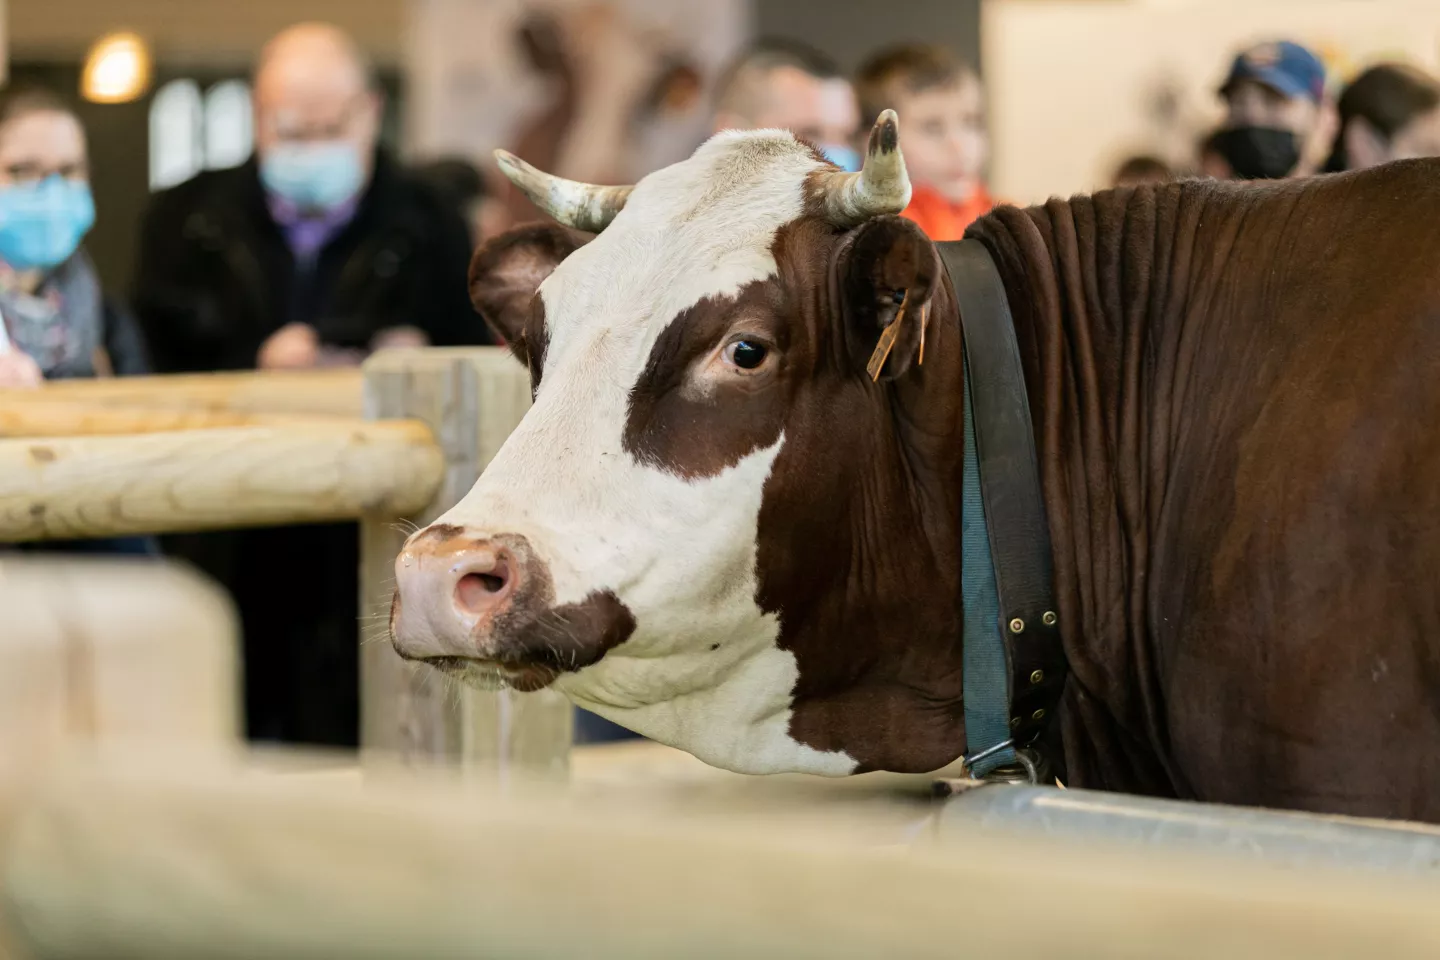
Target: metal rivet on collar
x=1038 y=714
x=1049 y=618
x=1037 y=676
x=1017 y=625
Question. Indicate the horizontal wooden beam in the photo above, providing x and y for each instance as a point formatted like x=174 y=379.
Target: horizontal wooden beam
x=170 y=859
x=336 y=392
x=95 y=651
x=42 y=415
x=213 y=479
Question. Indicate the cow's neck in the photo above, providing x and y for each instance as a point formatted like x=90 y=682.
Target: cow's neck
x=1099 y=287
x=879 y=647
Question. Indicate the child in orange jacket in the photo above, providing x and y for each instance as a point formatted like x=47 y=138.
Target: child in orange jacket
x=942 y=132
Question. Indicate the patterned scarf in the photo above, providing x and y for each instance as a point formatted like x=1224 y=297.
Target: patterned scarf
x=60 y=324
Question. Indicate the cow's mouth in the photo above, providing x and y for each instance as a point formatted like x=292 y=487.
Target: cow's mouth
x=494 y=675
x=482 y=610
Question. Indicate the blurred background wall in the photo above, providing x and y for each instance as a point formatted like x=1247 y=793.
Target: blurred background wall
x=1073 y=85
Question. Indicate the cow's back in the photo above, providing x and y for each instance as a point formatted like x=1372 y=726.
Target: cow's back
x=1243 y=474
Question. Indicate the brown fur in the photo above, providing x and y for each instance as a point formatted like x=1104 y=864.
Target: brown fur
x=1235 y=393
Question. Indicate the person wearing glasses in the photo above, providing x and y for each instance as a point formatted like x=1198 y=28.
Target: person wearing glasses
x=56 y=323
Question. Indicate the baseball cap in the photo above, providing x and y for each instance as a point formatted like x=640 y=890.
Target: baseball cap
x=1280 y=65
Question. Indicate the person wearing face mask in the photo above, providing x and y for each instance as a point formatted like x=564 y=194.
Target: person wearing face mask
x=318 y=250
x=55 y=321
x=787 y=85
x=1279 y=119
x=1389 y=112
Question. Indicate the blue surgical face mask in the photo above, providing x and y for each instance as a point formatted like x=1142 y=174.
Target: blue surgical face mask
x=846 y=158
x=313 y=176
x=42 y=224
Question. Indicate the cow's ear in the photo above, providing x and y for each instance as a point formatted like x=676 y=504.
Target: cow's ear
x=507 y=270
x=889 y=274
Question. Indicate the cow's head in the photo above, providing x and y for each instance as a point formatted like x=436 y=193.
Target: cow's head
x=714 y=526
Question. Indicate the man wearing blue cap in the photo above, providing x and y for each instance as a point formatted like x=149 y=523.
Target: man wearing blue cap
x=1280 y=121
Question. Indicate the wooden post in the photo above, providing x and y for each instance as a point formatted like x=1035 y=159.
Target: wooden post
x=472 y=398
x=93 y=651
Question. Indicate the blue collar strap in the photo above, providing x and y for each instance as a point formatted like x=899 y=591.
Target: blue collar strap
x=1014 y=664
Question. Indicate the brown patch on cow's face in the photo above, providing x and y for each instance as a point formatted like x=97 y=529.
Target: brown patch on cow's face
x=712 y=389
x=698 y=406
x=861 y=504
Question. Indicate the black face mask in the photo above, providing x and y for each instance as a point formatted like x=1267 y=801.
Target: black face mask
x=1259 y=153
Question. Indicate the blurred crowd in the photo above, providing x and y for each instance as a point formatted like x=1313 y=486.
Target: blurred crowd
x=324 y=247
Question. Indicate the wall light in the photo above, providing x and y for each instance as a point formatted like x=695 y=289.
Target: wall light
x=117 y=69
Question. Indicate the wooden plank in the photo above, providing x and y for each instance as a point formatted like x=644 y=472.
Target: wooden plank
x=213 y=479
x=181 y=860
x=95 y=650
x=334 y=392
x=44 y=416
x=472 y=398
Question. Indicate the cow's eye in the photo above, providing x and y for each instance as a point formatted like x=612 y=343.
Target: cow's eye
x=746 y=354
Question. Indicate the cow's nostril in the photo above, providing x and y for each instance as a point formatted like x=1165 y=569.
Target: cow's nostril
x=481 y=590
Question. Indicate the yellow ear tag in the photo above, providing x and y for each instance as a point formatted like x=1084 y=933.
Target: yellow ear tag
x=924 y=322
x=887 y=341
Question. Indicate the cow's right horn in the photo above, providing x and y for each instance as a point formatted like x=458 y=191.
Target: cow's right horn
x=881 y=186
x=584 y=206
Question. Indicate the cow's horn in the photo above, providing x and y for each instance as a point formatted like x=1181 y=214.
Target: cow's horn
x=583 y=206
x=881 y=186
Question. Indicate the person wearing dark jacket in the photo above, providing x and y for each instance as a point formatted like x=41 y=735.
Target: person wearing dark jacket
x=317 y=251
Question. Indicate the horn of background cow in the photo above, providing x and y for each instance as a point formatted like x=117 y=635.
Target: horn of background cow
x=881 y=186
x=583 y=206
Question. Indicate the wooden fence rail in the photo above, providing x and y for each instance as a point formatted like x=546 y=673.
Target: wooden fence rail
x=47 y=416
x=179 y=861
x=150 y=455
x=328 y=392
x=212 y=479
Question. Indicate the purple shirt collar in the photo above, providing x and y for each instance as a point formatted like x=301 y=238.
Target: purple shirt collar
x=306 y=233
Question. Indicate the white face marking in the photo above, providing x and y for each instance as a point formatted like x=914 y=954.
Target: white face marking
x=680 y=554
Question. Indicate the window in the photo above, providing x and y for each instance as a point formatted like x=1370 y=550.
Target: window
x=190 y=132
x=174 y=133
x=228 y=122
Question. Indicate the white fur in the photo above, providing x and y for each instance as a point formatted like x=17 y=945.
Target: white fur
x=679 y=553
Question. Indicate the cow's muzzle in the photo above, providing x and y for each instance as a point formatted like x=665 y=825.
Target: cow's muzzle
x=483 y=609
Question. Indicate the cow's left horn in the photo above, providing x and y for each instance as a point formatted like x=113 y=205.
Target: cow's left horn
x=881 y=186
x=584 y=206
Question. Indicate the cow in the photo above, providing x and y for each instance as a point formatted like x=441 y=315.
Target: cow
x=714 y=527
